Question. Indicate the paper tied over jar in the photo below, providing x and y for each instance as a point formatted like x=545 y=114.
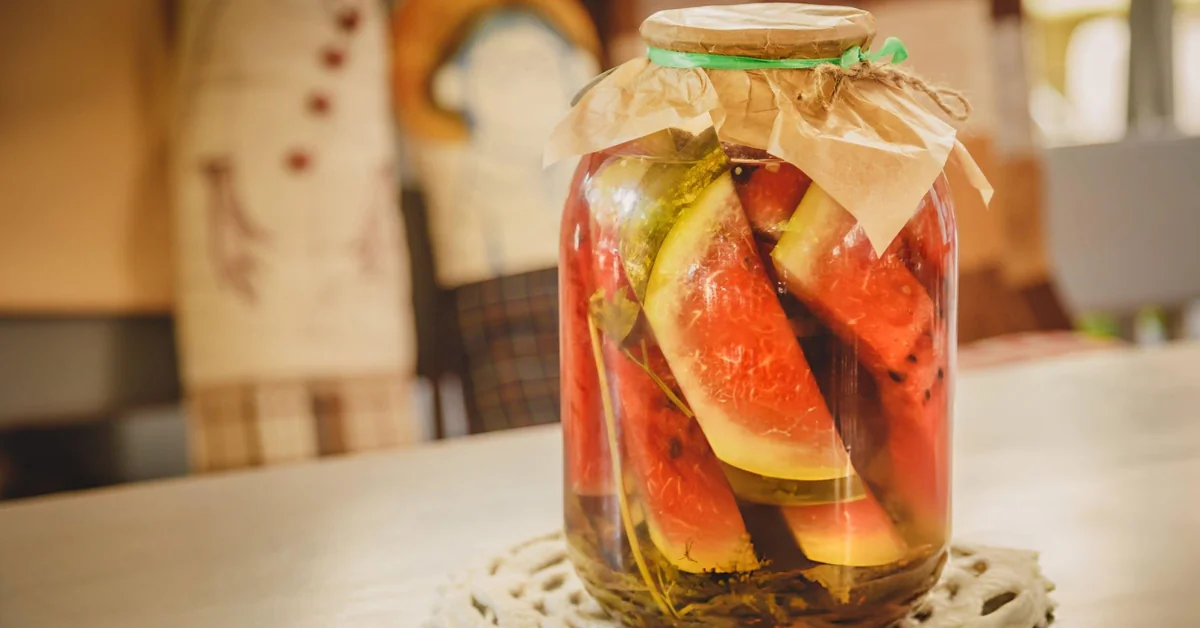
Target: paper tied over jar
x=876 y=150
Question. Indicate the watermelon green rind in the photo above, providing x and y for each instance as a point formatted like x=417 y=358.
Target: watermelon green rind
x=758 y=489
x=728 y=342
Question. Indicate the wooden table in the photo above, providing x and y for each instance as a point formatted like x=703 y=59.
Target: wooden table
x=1094 y=460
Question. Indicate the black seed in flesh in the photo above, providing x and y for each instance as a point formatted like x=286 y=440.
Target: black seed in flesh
x=676 y=447
x=941 y=374
x=927 y=394
x=896 y=376
x=912 y=358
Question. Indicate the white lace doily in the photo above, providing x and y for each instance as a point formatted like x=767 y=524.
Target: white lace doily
x=533 y=585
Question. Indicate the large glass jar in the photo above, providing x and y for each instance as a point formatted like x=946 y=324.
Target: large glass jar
x=758 y=296
x=756 y=403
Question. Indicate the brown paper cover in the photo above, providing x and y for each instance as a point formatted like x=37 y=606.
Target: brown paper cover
x=765 y=31
x=877 y=150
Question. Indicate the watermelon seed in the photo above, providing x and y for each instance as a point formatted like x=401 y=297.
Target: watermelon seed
x=927 y=394
x=896 y=376
x=912 y=358
x=676 y=448
x=941 y=374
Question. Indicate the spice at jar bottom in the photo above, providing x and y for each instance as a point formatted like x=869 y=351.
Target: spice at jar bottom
x=758 y=288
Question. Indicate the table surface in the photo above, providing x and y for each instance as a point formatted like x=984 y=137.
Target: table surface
x=1094 y=460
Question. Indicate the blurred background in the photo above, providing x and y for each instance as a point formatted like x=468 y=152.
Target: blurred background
x=237 y=234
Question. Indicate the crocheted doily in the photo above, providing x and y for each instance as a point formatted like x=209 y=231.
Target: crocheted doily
x=533 y=585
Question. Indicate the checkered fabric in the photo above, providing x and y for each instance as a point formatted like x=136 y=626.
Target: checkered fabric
x=509 y=333
x=269 y=422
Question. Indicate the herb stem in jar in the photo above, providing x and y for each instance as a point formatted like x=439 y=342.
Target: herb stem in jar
x=644 y=364
x=615 y=457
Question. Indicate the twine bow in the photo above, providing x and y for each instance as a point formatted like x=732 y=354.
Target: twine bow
x=854 y=64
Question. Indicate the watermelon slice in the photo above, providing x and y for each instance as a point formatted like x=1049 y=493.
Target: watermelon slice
x=827 y=262
x=770 y=193
x=879 y=307
x=686 y=502
x=853 y=534
x=728 y=341
x=588 y=469
x=690 y=510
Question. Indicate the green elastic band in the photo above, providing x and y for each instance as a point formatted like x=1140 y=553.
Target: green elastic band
x=892 y=48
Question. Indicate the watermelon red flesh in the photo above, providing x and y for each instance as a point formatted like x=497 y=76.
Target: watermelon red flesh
x=855 y=534
x=588 y=468
x=929 y=237
x=770 y=193
x=879 y=307
x=690 y=510
x=918 y=447
x=728 y=341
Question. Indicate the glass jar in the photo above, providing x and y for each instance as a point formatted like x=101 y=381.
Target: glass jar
x=756 y=403
x=758 y=294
